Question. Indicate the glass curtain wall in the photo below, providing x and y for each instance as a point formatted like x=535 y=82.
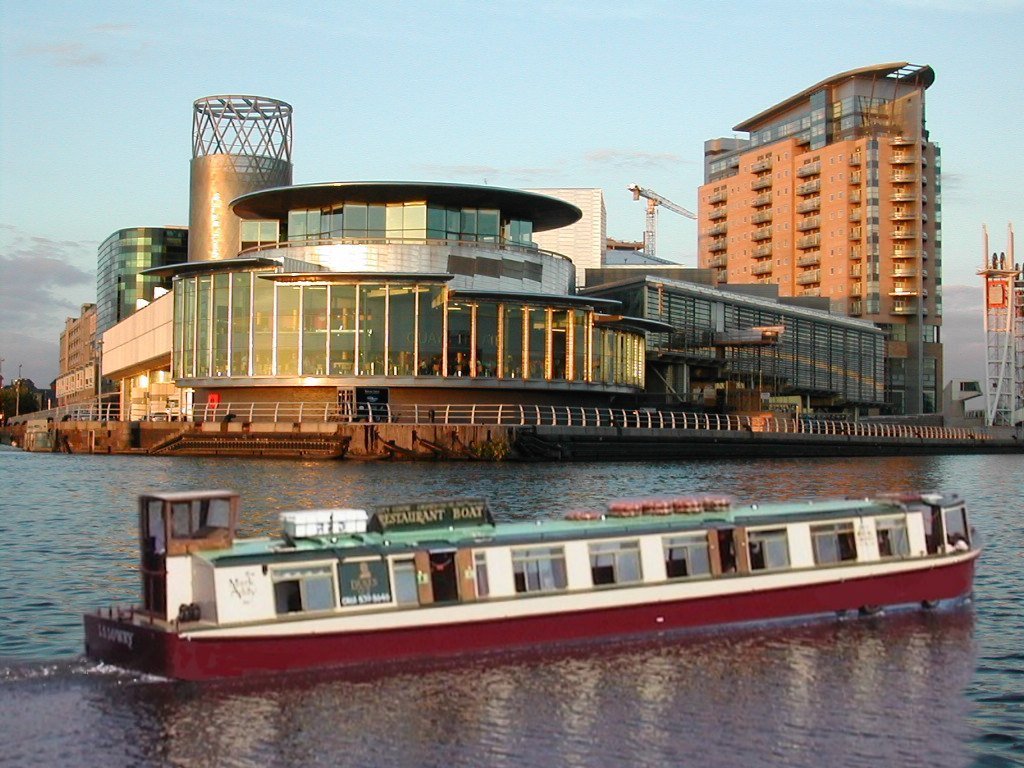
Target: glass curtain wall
x=241 y=325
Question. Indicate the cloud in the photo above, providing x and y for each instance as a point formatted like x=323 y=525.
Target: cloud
x=67 y=55
x=622 y=158
x=963 y=332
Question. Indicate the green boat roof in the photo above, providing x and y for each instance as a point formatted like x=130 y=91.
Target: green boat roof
x=537 y=532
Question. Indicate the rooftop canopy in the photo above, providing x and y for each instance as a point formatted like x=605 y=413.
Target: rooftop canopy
x=545 y=212
x=896 y=71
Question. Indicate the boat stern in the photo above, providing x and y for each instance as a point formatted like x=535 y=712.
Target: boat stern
x=117 y=638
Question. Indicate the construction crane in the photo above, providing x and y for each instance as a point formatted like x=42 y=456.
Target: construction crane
x=653 y=201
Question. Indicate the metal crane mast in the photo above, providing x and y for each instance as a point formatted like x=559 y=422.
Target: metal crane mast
x=1004 y=336
x=653 y=201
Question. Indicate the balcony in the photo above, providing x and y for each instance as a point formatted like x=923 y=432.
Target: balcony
x=810 y=260
x=902 y=178
x=761 y=269
x=763 y=250
x=718 y=262
x=765 y=280
x=718 y=197
x=811 y=169
x=764 y=199
x=761 y=183
x=904 y=234
x=855 y=159
x=857 y=289
x=904 y=272
x=903 y=197
x=855 y=252
x=855 y=215
x=761 y=217
x=809 y=241
x=856 y=270
x=901 y=141
x=905 y=308
x=811 y=222
x=718 y=245
x=903 y=290
x=762 y=165
x=809 y=187
x=761 y=234
x=856 y=307
x=854 y=196
x=718 y=229
x=811 y=292
x=806 y=206
x=855 y=177
x=855 y=233
x=902 y=158
x=716 y=214
x=903 y=216
x=905 y=253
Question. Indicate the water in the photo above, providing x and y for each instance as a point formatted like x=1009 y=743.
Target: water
x=938 y=689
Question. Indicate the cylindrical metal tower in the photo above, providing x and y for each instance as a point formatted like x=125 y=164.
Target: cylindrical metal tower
x=240 y=144
x=1004 y=332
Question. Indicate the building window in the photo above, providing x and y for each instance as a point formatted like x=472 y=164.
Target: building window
x=834 y=543
x=483 y=584
x=768 y=550
x=539 y=569
x=615 y=562
x=687 y=556
x=893 y=540
x=306 y=588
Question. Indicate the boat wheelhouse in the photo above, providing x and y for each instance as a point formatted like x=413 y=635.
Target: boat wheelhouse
x=342 y=587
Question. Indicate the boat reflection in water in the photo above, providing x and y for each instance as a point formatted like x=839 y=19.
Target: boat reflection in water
x=341 y=588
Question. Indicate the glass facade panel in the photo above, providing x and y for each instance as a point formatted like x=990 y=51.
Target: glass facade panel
x=559 y=344
x=372 y=329
x=487 y=339
x=459 y=338
x=512 y=362
x=241 y=286
x=355 y=220
x=437 y=226
x=537 y=341
x=288 y=302
x=402 y=329
x=262 y=327
x=376 y=220
x=579 y=346
x=342 y=329
x=221 y=324
x=203 y=297
x=488 y=225
x=314 y=330
x=431 y=329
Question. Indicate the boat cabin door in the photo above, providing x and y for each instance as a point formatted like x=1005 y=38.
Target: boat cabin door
x=441 y=574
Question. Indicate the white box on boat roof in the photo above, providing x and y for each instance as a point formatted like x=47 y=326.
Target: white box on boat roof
x=323 y=522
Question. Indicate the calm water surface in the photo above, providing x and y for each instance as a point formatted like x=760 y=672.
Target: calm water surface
x=943 y=688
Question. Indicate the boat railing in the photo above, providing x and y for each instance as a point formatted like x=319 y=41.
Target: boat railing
x=488 y=414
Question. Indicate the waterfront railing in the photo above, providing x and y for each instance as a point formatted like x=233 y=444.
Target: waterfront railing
x=565 y=416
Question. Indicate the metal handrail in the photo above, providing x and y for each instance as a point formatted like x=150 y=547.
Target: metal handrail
x=508 y=414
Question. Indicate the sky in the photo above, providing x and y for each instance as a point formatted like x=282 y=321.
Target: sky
x=96 y=110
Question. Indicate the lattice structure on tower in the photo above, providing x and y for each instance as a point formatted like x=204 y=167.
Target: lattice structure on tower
x=255 y=130
x=1004 y=336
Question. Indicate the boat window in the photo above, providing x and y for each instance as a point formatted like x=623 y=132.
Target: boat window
x=303 y=588
x=615 y=562
x=833 y=543
x=893 y=540
x=483 y=587
x=957 y=534
x=687 y=556
x=197 y=517
x=539 y=569
x=406 y=591
x=768 y=549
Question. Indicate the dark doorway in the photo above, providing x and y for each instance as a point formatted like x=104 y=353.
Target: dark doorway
x=443 y=577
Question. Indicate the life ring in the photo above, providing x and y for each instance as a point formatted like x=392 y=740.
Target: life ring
x=582 y=515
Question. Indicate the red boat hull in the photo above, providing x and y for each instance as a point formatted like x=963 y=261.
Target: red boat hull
x=153 y=650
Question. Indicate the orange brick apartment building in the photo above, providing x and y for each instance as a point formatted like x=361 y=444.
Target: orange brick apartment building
x=836 y=194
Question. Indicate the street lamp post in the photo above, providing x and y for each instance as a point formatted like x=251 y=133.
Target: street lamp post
x=17 y=393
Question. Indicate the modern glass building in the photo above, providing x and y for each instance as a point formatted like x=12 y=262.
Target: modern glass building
x=122 y=261
x=721 y=337
x=410 y=286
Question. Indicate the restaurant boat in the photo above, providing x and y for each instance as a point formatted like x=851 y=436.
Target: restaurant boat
x=427 y=580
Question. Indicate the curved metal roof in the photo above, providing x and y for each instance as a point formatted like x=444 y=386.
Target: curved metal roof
x=901 y=71
x=545 y=212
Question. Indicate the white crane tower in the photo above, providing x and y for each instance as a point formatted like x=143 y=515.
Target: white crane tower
x=1004 y=336
x=653 y=201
